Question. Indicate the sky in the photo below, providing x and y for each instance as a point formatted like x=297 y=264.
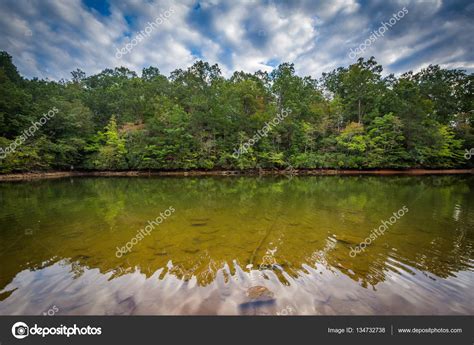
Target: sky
x=51 y=38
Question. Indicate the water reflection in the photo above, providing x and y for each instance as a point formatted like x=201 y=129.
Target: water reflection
x=228 y=235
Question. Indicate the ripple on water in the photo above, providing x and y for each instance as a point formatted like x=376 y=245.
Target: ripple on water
x=297 y=235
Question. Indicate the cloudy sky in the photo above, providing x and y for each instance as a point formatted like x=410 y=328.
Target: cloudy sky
x=50 y=38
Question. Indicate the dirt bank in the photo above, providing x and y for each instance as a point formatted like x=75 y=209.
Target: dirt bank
x=302 y=172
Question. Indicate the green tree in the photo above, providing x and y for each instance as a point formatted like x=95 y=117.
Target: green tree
x=386 y=143
x=110 y=148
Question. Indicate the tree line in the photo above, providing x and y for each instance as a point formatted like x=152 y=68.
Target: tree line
x=352 y=117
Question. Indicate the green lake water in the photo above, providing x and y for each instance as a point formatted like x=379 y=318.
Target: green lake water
x=60 y=241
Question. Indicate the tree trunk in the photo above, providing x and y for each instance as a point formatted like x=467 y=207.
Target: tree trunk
x=360 y=120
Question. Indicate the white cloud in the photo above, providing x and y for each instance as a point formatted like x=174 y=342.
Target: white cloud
x=248 y=36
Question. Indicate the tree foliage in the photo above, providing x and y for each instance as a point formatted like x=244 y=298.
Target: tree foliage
x=353 y=117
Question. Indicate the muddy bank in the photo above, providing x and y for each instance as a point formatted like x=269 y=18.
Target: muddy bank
x=295 y=172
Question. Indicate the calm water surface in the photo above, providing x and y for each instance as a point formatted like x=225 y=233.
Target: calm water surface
x=59 y=238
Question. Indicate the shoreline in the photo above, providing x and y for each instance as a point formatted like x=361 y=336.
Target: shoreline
x=269 y=172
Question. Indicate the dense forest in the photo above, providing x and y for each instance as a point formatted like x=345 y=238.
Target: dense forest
x=353 y=117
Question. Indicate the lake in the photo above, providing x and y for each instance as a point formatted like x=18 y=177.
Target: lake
x=238 y=245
